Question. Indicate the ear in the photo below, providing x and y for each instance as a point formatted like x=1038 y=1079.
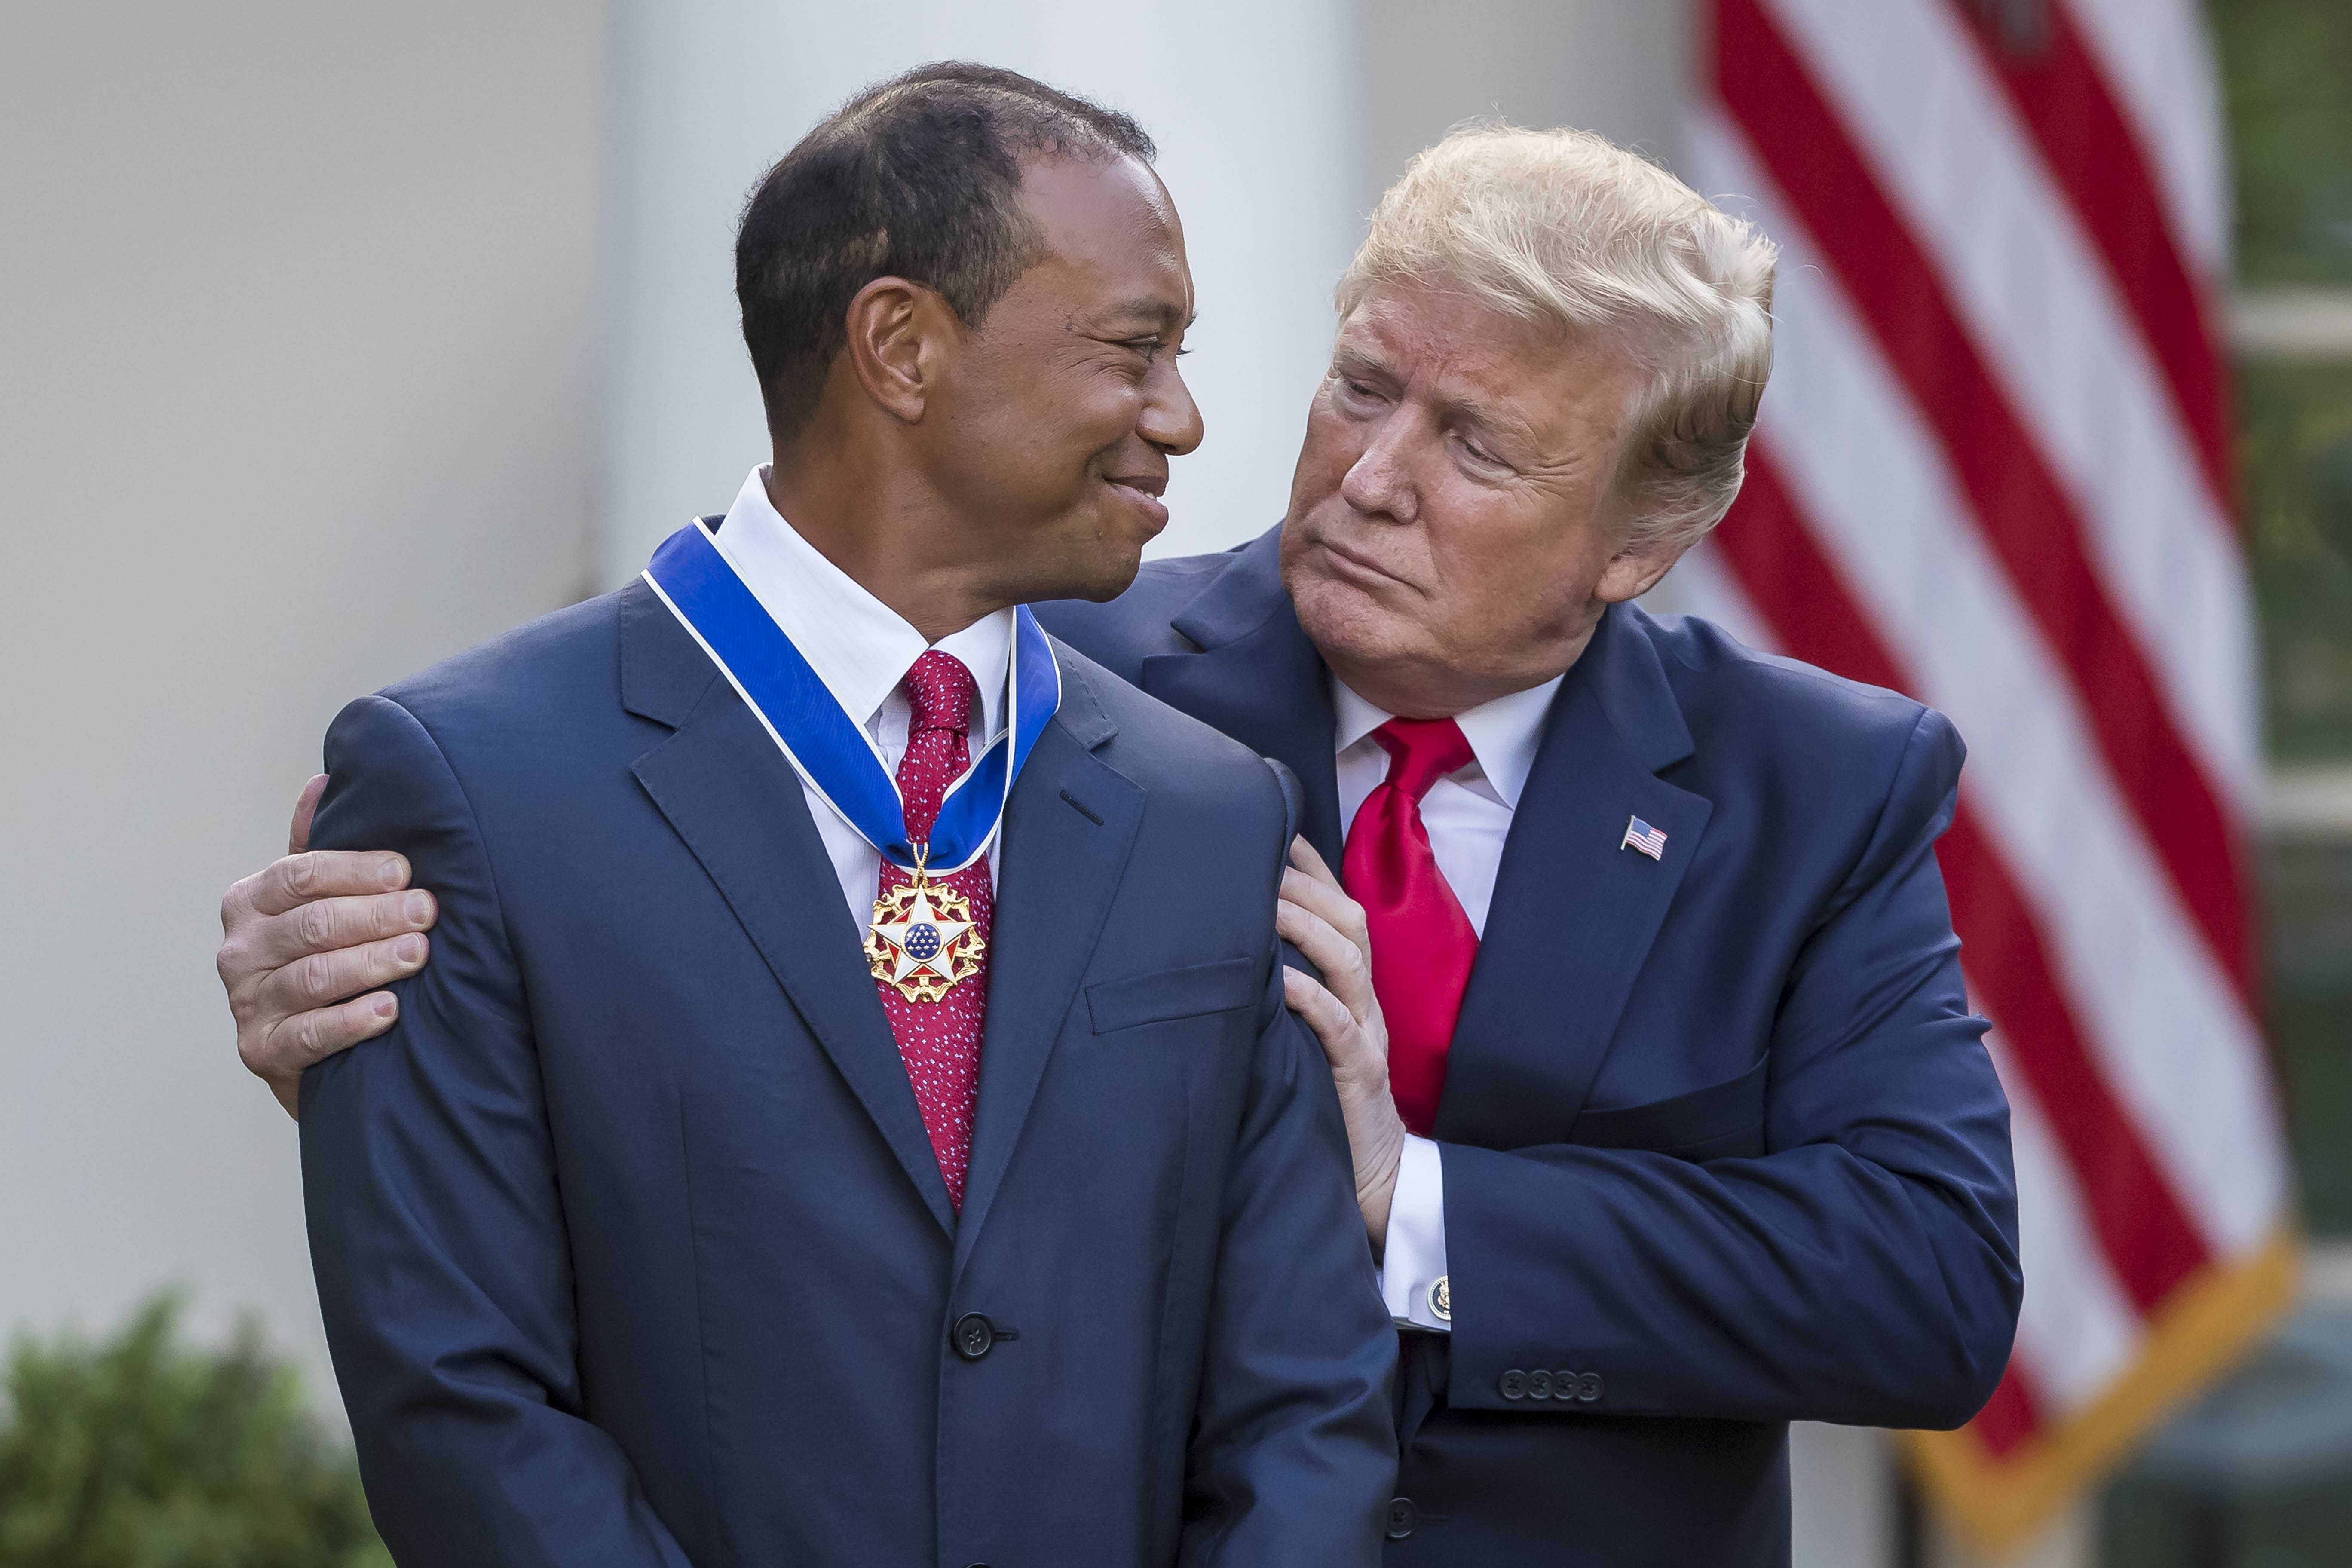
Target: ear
x=1633 y=572
x=901 y=337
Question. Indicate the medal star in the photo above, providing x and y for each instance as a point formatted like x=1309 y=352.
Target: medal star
x=921 y=941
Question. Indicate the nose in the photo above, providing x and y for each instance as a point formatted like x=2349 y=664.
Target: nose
x=1171 y=420
x=1379 y=481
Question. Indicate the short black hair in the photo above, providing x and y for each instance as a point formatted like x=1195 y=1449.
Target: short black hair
x=916 y=178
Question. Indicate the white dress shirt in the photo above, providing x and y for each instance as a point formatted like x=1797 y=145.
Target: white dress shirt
x=861 y=648
x=1468 y=815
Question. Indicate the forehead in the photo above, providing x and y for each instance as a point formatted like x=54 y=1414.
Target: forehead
x=1111 y=234
x=1464 y=355
x=1438 y=336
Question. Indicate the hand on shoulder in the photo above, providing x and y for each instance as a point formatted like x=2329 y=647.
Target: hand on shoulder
x=306 y=942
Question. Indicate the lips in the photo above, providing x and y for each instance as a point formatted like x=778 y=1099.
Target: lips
x=1361 y=567
x=1143 y=492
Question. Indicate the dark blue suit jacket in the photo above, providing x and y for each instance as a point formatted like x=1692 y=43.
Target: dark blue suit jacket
x=1719 y=1135
x=631 y=1245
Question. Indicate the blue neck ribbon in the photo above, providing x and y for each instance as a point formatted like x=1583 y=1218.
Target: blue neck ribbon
x=828 y=747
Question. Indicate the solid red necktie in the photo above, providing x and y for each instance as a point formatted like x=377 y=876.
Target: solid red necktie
x=1422 y=944
x=940 y=1041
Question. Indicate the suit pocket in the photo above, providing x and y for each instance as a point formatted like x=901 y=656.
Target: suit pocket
x=1190 y=993
x=1722 y=1120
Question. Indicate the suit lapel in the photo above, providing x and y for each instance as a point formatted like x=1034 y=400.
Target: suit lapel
x=1574 y=913
x=1068 y=830
x=739 y=807
x=1258 y=679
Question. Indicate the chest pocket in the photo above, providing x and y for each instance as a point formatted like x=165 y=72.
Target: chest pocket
x=1723 y=1120
x=1188 y=993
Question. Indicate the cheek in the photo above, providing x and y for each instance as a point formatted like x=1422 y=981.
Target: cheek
x=1039 y=434
x=1500 y=564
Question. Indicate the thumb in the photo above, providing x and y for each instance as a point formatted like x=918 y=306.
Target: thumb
x=297 y=836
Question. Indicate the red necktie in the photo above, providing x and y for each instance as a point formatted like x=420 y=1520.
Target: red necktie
x=941 y=1041
x=1423 y=945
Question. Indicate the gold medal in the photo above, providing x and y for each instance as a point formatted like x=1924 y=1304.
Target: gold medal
x=921 y=939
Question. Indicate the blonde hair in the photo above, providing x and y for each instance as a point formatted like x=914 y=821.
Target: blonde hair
x=1560 y=228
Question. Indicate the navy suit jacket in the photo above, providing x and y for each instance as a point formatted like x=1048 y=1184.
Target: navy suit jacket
x=633 y=1249
x=1722 y=1144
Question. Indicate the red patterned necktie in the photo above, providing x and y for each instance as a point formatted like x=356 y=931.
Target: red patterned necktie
x=1423 y=945
x=941 y=1041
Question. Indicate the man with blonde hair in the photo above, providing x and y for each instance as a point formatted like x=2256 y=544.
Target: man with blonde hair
x=1636 y=972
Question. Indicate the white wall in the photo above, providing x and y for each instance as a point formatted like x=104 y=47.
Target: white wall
x=1617 y=67
x=294 y=306
x=1254 y=106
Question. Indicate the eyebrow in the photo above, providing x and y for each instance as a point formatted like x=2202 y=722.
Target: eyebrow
x=1162 y=312
x=1465 y=409
x=1488 y=417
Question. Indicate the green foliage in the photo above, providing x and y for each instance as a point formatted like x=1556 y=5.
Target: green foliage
x=143 y=1453
x=2284 y=66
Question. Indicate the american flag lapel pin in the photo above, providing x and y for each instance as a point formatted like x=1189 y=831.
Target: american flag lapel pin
x=1649 y=840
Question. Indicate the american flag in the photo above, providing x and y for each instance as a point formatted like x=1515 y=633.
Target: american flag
x=1992 y=471
x=1640 y=835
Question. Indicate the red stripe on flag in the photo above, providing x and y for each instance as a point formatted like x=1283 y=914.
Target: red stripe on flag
x=2018 y=504
x=2140 y=1223
x=2010 y=1417
x=2061 y=95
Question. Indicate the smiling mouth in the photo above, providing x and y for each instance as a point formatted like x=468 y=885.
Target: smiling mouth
x=1143 y=492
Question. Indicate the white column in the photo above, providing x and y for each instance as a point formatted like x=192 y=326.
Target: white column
x=1254 y=105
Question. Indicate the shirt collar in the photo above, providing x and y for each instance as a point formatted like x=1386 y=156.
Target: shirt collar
x=1504 y=734
x=859 y=646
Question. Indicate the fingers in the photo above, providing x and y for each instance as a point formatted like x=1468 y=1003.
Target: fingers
x=1342 y=912
x=1346 y=964
x=271 y=942
x=1304 y=855
x=306 y=807
x=281 y=1053
x=314 y=981
x=316 y=874
x=1359 y=1072
x=1325 y=1015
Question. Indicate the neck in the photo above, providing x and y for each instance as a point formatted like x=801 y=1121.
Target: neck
x=889 y=533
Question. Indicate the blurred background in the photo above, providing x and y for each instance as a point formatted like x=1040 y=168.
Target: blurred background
x=334 y=338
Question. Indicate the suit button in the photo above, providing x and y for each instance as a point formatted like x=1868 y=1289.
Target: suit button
x=1540 y=1385
x=1588 y=1387
x=1402 y=1517
x=973 y=1336
x=1514 y=1384
x=1563 y=1385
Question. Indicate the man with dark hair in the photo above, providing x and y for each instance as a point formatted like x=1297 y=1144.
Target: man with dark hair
x=918 y=177
x=851 y=1119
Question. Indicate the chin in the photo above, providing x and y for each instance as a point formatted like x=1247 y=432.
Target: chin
x=1350 y=624
x=1101 y=569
